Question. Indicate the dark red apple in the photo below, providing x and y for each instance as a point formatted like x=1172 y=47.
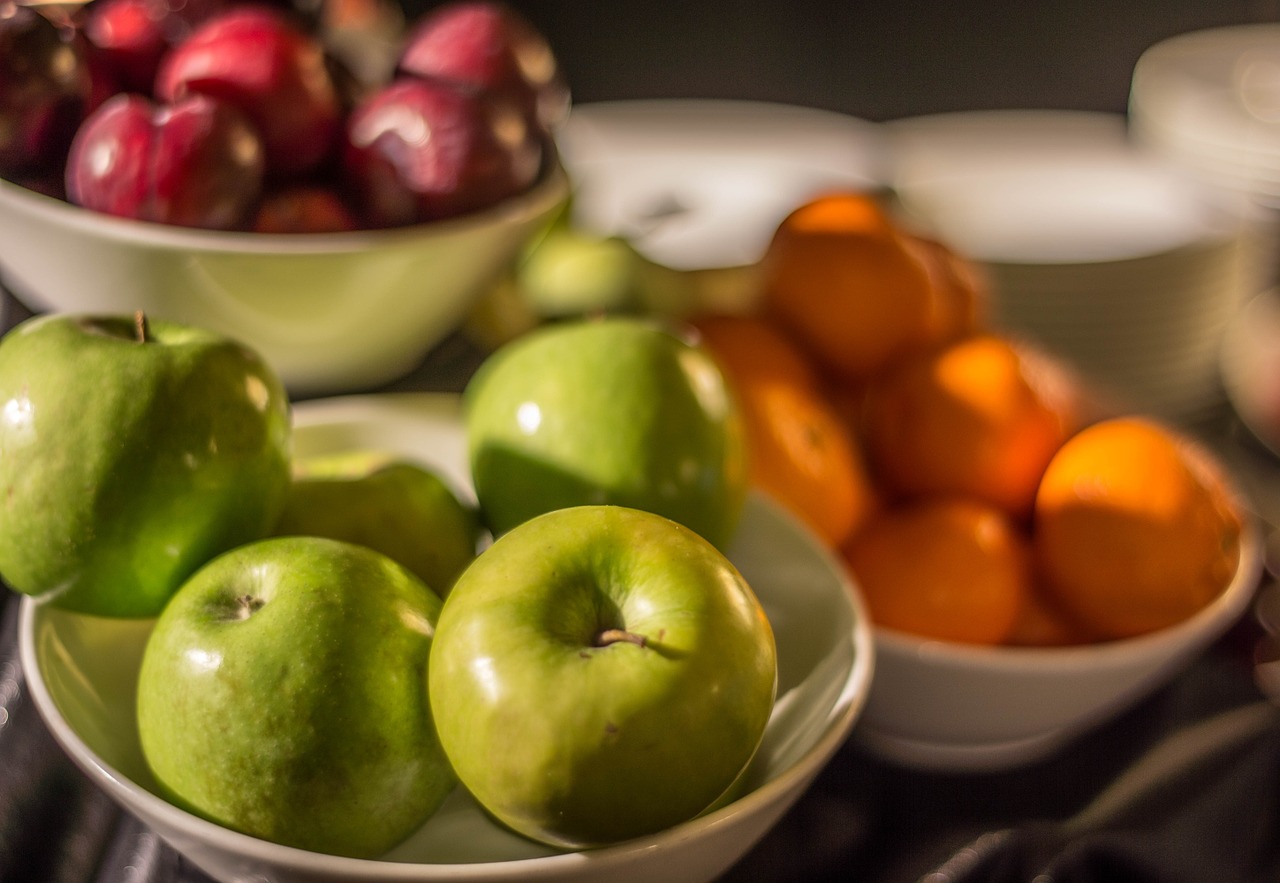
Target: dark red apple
x=263 y=62
x=304 y=208
x=421 y=150
x=488 y=45
x=196 y=163
x=44 y=91
x=130 y=36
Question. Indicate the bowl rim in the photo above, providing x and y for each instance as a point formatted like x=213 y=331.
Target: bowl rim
x=1209 y=621
x=847 y=706
x=838 y=729
x=551 y=187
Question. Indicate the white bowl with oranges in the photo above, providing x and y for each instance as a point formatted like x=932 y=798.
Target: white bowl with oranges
x=1034 y=559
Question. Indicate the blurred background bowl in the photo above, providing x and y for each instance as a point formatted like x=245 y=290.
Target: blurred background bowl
x=332 y=312
x=949 y=706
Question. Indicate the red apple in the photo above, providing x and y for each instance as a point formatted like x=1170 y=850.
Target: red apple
x=420 y=150
x=304 y=208
x=44 y=91
x=196 y=163
x=489 y=45
x=133 y=35
x=263 y=62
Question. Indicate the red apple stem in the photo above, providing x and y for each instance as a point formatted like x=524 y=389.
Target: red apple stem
x=141 y=327
x=614 y=636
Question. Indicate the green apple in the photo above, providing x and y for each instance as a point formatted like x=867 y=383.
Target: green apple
x=283 y=694
x=400 y=508
x=573 y=272
x=600 y=673
x=130 y=454
x=616 y=410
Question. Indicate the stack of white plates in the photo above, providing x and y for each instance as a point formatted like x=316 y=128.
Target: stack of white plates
x=1210 y=101
x=1123 y=266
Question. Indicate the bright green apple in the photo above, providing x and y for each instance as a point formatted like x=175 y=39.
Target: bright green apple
x=615 y=410
x=283 y=694
x=130 y=454
x=400 y=508
x=600 y=673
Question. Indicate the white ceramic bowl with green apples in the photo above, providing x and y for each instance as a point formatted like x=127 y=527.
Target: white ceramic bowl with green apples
x=82 y=673
x=332 y=312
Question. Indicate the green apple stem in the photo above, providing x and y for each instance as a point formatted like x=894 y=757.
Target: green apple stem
x=141 y=327
x=246 y=606
x=614 y=636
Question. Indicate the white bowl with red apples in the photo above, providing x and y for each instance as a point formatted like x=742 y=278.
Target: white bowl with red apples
x=341 y=227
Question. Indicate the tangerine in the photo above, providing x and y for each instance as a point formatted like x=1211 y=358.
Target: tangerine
x=748 y=344
x=1134 y=527
x=799 y=451
x=960 y=293
x=979 y=417
x=949 y=568
x=839 y=276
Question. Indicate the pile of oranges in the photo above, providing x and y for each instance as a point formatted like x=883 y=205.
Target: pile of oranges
x=960 y=472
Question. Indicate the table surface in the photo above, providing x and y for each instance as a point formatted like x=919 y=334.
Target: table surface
x=1184 y=786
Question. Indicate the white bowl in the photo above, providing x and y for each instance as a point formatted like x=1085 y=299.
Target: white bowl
x=948 y=706
x=701 y=184
x=81 y=672
x=331 y=312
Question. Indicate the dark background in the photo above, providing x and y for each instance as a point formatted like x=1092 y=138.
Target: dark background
x=875 y=60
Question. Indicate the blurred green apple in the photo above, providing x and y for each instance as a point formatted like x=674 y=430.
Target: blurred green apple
x=575 y=272
x=283 y=694
x=600 y=673
x=397 y=507
x=130 y=454
x=615 y=410
x=572 y=273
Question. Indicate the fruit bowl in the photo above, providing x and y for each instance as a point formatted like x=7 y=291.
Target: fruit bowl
x=82 y=670
x=332 y=312
x=957 y=707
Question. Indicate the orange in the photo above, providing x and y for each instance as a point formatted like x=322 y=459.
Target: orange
x=1135 y=528
x=840 y=278
x=979 y=417
x=745 y=343
x=959 y=288
x=949 y=568
x=800 y=453
x=1041 y=622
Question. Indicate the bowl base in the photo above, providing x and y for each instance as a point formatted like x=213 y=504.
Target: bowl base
x=960 y=756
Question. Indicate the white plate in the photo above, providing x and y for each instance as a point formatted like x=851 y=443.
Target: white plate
x=702 y=184
x=923 y=147
x=81 y=673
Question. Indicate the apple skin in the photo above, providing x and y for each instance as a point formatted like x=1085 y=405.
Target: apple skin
x=45 y=89
x=262 y=61
x=490 y=46
x=283 y=694
x=304 y=208
x=420 y=150
x=133 y=35
x=127 y=465
x=580 y=745
x=402 y=509
x=195 y=163
x=616 y=410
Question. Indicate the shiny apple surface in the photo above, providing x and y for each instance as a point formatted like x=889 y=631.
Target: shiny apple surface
x=82 y=672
